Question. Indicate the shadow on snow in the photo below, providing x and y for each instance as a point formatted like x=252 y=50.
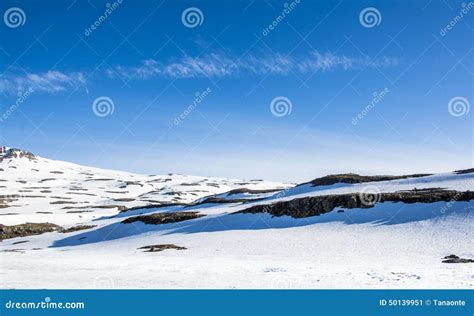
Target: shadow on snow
x=381 y=214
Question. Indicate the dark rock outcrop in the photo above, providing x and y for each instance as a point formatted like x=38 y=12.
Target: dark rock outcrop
x=163 y=218
x=77 y=228
x=456 y=259
x=355 y=178
x=464 y=171
x=316 y=205
x=17 y=153
x=218 y=200
x=160 y=205
x=250 y=191
x=27 y=229
x=158 y=248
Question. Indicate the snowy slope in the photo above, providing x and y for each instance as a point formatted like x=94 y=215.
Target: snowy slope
x=336 y=250
x=391 y=245
x=35 y=189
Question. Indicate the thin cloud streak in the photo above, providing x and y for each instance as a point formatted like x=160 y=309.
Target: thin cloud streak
x=210 y=65
x=221 y=65
x=48 y=82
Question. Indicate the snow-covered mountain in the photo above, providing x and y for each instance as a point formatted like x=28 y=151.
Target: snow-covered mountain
x=36 y=189
x=90 y=228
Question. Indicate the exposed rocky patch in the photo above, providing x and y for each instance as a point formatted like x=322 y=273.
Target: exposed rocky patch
x=218 y=200
x=157 y=205
x=464 y=171
x=80 y=193
x=99 y=179
x=351 y=178
x=20 y=242
x=77 y=228
x=316 y=205
x=63 y=202
x=127 y=183
x=456 y=259
x=27 y=229
x=13 y=250
x=163 y=218
x=174 y=193
x=154 y=201
x=158 y=248
x=250 y=191
x=74 y=207
x=36 y=188
x=60 y=197
x=46 y=180
x=17 y=153
x=119 y=207
x=161 y=180
x=86 y=173
x=78 y=212
x=77 y=189
x=124 y=200
x=6 y=199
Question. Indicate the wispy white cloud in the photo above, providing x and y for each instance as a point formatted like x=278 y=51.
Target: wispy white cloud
x=222 y=65
x=329 y=61
x=210 y=65
x=50 y=82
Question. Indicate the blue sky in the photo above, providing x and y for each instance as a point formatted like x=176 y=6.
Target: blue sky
x=319 y=55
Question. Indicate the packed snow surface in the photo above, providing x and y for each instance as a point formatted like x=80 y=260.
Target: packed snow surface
x=42 y=190
x=391 y=245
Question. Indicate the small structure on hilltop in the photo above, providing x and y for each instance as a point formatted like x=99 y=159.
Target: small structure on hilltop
x=3 y=150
